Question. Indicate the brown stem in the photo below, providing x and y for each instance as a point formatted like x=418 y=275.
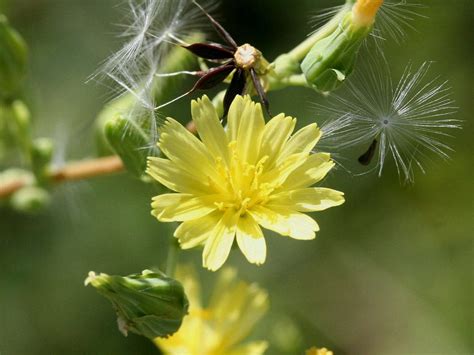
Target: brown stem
x=10 y=187
x=88 y=169
x=72 y=172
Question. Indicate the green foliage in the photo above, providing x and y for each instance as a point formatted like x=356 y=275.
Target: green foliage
x=13 y=60
x=15 y=128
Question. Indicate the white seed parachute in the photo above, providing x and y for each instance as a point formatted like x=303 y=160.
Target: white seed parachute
x=405 y=121
x=151 y=29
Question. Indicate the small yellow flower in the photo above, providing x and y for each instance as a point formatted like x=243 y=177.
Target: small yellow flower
x=233 y=311
x=364 y=11
x=232 y=181
x=316 y=351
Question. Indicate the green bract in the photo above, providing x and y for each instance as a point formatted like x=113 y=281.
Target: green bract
x=13 y=59
x=332 y=59
x=131 y=143
x=148 y=304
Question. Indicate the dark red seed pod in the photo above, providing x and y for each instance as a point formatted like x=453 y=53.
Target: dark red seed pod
x=213 y=77
x=210 y=51
x=260 y=90
x=366 y=158
x=236 y=87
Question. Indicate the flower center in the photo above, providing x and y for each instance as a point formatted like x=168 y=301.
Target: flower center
x=247 y=56
x=243 y=185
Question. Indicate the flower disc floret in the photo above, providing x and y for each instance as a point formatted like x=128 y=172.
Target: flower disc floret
x=230 y=182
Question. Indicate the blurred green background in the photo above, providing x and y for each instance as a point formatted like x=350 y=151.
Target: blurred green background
x=390 y=273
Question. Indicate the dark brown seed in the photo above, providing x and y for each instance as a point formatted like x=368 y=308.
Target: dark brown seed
x=213 y=77
x=236 y=87
x=260 y=90
x=210 y=51
x=366 y=158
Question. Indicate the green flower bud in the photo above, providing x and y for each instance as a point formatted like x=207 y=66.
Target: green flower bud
x=148 y=304
x=13 y=59
x=41 y=154
x=332 y=59
x=15 y=128
x=30 y=200
x=131 y=143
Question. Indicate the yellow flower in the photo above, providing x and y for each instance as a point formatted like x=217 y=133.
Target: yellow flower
x=316 y=351
x=365 y=11
x=233 y=311
x=232 y=181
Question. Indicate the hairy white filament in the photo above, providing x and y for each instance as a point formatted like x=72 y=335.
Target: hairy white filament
x=151 y=29
x=394 y=19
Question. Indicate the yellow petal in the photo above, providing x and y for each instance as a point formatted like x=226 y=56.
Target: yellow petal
x=250 y=240
x=174 y=177
x=210 y=128
x=226 y=280
x=254 y=348
x=186 y=274
x=276 y=133
x=195 y=232
x=313 y=170
x=218 y=245
x=246 y=125
x=286 y=222
x=278 y=175
x=235 y=113
x=159 y=203
x=181 y=207
x=236 y=307
x=308 y=200
x=302 y=141
x=185 y=150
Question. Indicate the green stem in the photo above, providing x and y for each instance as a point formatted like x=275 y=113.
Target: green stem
x=299 y=52
x=172 y=258
x=287 y=67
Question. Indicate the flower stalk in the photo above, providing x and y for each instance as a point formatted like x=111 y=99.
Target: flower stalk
x=74 y=171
